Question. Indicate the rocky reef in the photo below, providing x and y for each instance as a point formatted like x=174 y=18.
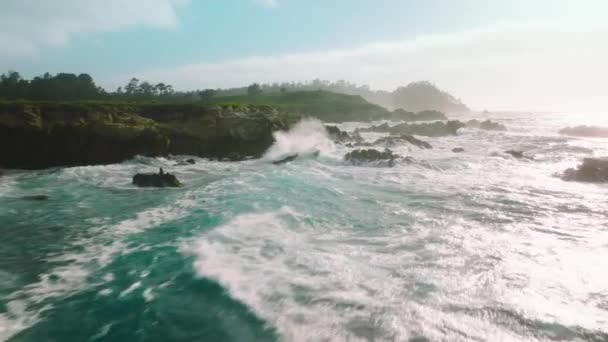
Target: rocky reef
x=435 y=129
x=400 y=139
x=36 y=135
x=586 y=131
x=593 y=170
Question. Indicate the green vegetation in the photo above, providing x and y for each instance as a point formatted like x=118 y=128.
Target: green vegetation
x=415 y=97
x=324 y=105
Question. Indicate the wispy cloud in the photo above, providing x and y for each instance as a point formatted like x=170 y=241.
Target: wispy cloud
x=549 y=67
x=28 y=25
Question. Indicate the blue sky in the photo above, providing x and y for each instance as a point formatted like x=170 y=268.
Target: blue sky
x=384 y=43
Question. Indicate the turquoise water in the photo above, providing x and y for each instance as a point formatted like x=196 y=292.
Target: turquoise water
x=456 y=247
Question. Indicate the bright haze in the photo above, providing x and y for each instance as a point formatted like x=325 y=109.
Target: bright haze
x=544 y=55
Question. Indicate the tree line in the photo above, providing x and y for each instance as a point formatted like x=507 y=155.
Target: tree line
x=68 y=87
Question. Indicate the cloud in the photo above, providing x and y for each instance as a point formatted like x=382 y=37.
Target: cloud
x=550 y=67
x=26 y=26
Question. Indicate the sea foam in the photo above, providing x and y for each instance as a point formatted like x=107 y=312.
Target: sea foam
x=307 y=137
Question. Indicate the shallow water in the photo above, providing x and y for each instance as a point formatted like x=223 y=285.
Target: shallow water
x=457 y=247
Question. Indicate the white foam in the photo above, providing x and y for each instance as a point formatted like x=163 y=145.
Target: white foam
x=130 y=289
x=148 y=295
x=305 y=138
x=312 y=287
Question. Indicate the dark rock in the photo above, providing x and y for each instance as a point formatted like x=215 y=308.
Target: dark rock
x=358 y=157
x=434 y=129
x=458 y=150
x=39 y=198
x=594 y=170
x=515 y=154
x=586 y=131
x=286 y=159
x=486 y=125
x=158 y=180
x=341 y=136
x=391 y=140
x=233 y=157
x=186 y=162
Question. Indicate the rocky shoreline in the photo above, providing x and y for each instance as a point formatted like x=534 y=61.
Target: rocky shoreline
x=43 y=135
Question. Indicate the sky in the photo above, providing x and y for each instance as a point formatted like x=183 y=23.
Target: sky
x=545 y=55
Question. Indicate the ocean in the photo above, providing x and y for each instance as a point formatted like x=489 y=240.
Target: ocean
x=471 y=246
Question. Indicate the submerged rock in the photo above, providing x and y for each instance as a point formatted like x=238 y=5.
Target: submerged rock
x=39 y=198
x=518 y=154
x=391 y=140
x=594 y=170
x=435 y=129
x=487 y=125
x=158 y=180
x=190 y=161
x=285 y=160
x=458 y=150
x=586 y=131
x=358 y=157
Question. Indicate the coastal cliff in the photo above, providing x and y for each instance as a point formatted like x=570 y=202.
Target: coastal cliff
x=35 y=135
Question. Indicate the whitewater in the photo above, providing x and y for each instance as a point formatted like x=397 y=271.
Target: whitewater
x=471 y=246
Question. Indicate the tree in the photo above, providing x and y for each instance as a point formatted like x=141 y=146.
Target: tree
x=207 y=94
x=131 y=87
x=254 y=90
x=146 y=90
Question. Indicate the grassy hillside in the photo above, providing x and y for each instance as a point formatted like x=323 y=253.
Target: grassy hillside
x=327 y=106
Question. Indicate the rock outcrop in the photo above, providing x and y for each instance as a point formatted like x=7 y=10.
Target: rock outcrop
x=458 y=150
x=586 y=131
x=593 y=170
x=42 y=135
x=435 y=129
x=341 y=136
x=157 y=180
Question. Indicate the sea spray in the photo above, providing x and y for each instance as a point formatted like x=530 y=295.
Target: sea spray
x=307 y=137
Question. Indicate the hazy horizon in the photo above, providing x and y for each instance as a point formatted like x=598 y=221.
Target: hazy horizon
x=525 y=55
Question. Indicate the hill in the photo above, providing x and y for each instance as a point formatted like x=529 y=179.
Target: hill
x=324 y=105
